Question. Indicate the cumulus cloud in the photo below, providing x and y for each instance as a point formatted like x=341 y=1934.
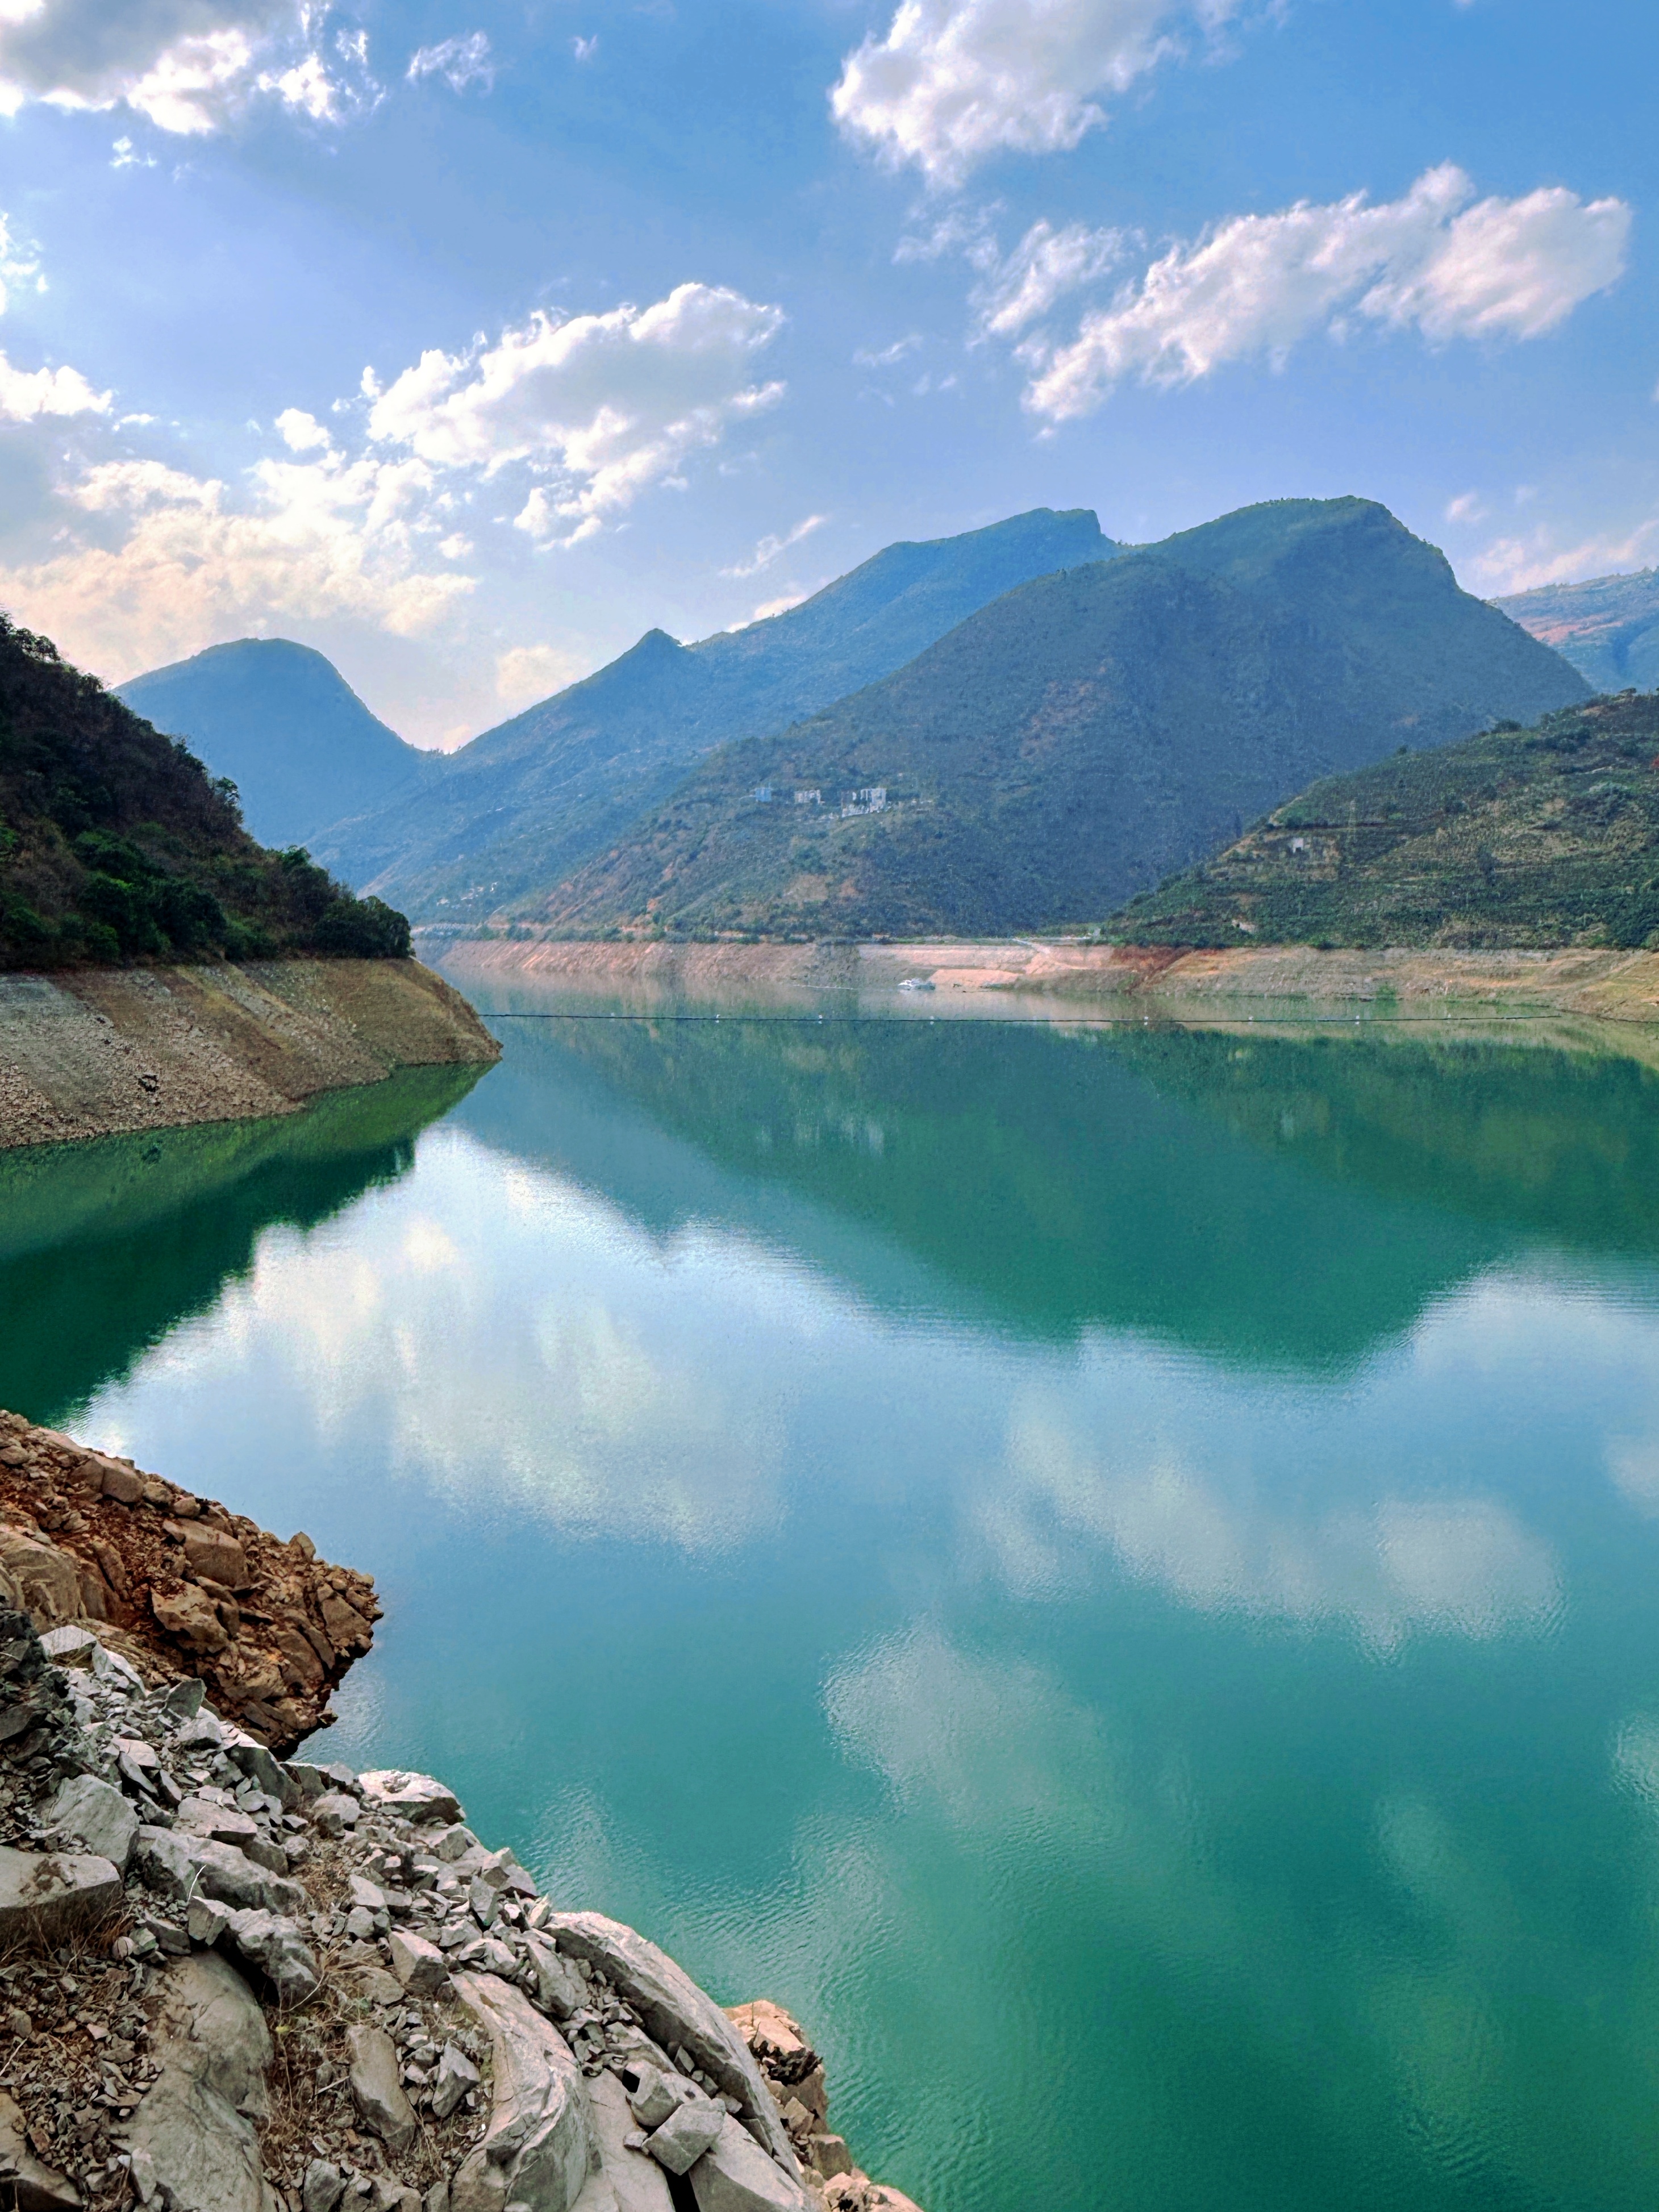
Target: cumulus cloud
x=602 y=405
x=156 y=560
x=187 y=66
x=1436 y=260
x=25 y=395
x=768 y=549
x=1537 y=558
x=459 y=62
x=954 y=81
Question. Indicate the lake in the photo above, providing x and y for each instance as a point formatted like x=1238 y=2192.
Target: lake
x=1112 y=1570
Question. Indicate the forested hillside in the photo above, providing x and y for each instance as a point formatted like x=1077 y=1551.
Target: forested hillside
x=1545 y=836
x=116 y=845
x=1071 y=743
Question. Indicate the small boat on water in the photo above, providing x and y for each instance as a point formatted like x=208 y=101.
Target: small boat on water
x=917 y=983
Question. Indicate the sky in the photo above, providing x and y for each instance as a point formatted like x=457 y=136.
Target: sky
x=466 y=340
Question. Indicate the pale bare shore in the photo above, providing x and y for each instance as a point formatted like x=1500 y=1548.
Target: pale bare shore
x=95 y=1052
x=1216 y=985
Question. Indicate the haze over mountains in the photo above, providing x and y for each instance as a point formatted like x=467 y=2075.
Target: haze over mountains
x=1609 y=627
x=1010 y=729
x=282 y=723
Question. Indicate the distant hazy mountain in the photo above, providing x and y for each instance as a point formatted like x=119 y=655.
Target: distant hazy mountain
x=1609 y=628
x=1546 y=836
x=512 y=813
x=286 y=727
x=1080 y=737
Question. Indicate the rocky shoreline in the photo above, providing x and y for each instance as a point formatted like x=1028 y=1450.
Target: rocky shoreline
x=230 y=1983
x=97 y=1052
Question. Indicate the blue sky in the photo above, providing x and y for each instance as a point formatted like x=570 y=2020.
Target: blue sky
x=467 y=341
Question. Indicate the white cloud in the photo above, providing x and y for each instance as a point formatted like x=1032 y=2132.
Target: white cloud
x=1523 y=563
x=25 y=395
x=187 y=66
x=768 y=608
x=1041 y=270
x=605 y=405
x=585 y=48
x=301 y=432
x=1468 y=507
x=459 y=62
x=899 y=350
x=767 y=551
x=157 y=561
x=955 y=81
x=1434 y=260
x=527 y=672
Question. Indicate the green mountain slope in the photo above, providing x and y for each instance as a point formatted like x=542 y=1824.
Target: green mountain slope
x=1074 y=740
x=286 y=727
x=1546 y=836
x=1607 y=629
x=523 y=806
x=115 y=844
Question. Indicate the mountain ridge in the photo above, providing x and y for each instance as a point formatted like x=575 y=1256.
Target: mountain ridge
x=1072 y=742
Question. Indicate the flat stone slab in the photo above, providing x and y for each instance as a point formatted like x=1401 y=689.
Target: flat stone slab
x=411 y=1797
x=47 y=1895
x=95 y=1814
x=735 y=2175
x=183 y=1865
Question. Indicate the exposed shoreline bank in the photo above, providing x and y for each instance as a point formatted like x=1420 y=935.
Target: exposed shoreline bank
x=105 y=1052
x=1606 y=986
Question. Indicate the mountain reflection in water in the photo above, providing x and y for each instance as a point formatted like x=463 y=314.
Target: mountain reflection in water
x=1111 y=1570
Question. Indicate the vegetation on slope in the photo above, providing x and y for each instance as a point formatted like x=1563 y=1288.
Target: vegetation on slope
x=497 y=824
x=1609 y=627
x=116 y=845
x=1546 y=836
x=1076 y=740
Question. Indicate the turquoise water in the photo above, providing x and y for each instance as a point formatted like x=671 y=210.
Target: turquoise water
x=1114 y=1572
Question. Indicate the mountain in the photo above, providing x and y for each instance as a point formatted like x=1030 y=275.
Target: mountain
x=519 y=808
x=116 y=844
x=1546 y=836
x=1609 y=628
x=1071 y=743
x=286 y=727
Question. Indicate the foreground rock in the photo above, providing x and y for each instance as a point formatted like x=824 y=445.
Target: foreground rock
x=101 y=1554
x=449 y=2042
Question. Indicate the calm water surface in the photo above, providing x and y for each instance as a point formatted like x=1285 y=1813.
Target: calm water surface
x=1117 y=1573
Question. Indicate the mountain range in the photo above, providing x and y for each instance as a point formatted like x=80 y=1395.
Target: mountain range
x=523 y=807
x=1070 y=744
x=1012 y=728
x=1609 y=628
x=285 y=726
x=1546 y=836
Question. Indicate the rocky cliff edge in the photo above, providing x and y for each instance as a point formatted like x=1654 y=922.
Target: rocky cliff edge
x=230 y=1983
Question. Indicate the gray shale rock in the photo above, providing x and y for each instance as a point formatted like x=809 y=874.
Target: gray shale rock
x=192 y=2145
x=415 y=1797
x=376 y=2085
x=735 y=2175
x=676 y=2013
x=96 y=1815
x=46 y=1896
x=560 y=1988
x=690 y=2129
x=182 y=1865
x=418 y=1965
x=539 y=2149
x=274 y=1944
x=625 y=2182
x=456 y=2075
x=30 y=2186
